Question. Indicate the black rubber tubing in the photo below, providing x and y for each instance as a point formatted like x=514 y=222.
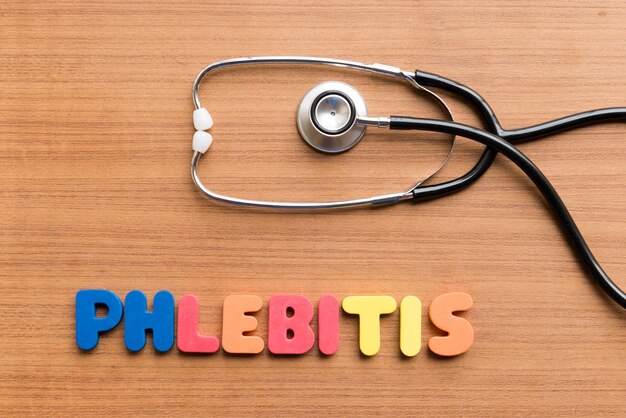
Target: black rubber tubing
x=488 y=116
x=500 y=145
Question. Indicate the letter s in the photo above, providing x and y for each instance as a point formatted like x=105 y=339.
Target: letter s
x=460 y=332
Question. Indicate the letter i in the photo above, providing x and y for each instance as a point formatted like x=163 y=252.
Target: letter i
x=328 y=324
x=410 y=326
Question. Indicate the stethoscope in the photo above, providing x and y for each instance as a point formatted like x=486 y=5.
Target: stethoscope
x=332 y=118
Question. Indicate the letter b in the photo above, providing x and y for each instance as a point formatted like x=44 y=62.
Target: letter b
x=301 y=336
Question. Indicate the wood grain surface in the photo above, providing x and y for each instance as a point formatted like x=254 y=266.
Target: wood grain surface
x=95 y=142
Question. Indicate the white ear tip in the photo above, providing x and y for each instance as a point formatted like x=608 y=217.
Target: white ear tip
x=202 y=141
x=201 y=119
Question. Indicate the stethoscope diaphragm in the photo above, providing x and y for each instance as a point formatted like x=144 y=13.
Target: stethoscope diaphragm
x=327 y=115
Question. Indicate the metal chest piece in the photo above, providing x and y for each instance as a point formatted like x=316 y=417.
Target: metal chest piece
x=327 y=117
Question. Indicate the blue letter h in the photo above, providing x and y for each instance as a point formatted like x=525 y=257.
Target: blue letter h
x=138 y=320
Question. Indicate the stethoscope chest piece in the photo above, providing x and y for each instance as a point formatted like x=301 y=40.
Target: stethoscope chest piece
x=327 y=117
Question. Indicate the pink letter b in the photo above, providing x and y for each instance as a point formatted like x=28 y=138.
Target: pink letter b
x=289 y=331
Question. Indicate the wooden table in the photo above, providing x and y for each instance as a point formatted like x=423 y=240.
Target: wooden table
x=95 y=136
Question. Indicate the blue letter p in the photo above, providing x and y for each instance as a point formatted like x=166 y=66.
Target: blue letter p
x=88 y=325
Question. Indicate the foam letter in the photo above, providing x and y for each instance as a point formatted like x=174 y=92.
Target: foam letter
x=236 y=322
x=188 y=339
x=410 y=326
x=280 y=323
x=138 y=320
x=328 y=324
x=461 y=333
x=369 y=309
x=88 y=325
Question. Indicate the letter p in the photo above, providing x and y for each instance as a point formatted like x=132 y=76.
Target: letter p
x=88 y=325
